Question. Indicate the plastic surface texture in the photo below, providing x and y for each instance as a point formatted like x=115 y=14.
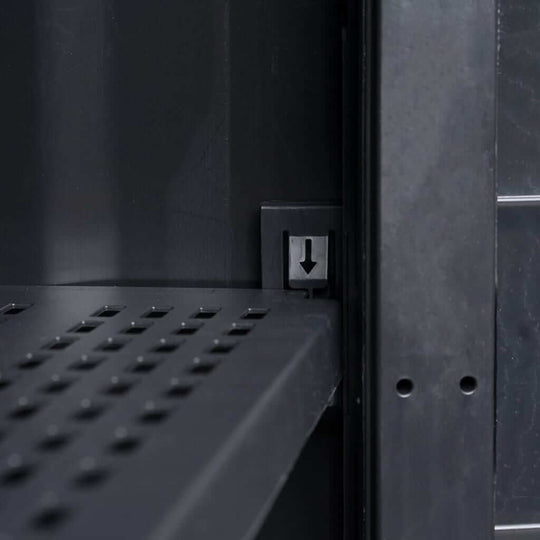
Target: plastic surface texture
x=518 y=425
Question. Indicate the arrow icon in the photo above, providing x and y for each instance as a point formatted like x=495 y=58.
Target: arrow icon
x=308 y=264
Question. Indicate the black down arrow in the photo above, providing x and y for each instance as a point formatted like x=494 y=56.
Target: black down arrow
x=308 y=264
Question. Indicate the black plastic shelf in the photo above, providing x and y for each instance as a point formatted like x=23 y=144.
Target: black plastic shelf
x=155 y=413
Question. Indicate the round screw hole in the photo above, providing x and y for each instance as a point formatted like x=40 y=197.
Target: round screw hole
x=468 y=385
x=404 y=387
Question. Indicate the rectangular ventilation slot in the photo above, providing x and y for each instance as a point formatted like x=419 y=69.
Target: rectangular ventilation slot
x=60 y=343
x=112 y=345
x=179 y=388
x=32 y=361
x=14 y=309
x=135 y=328
x=91 y=473
x=118 y=386
x=85 y=327
x=108 y=311
x=17 y=469
x=240 y=329
x=54 y=438
x=124 y=442
x=188 y=328
x=51 y=516
x=202 y=367
x=24 y=408
x=56 y=384
x=143 y=365
x=165 y=346
x=205 y=312
x=222 y=346
x=156 y=312
x=153 y=413
x=255 y=313
x=86 y=362
x=88 y=410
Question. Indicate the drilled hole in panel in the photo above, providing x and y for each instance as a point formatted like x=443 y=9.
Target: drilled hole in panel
x=136 y=328
x=205 y=312
x=157 y=312
x=404 y=387
x=85 y=327
x=32 y=361
x=87 y=362
x=188 y=327
x=240 y=329
x=255 y=313
x=112 y=345
x=14 y=309
x=220 y=346
x=60 y=343
x=108 y=311
x=468 y=385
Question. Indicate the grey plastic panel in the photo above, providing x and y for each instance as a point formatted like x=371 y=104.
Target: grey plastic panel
x=518 y=420
x=518 y=112
x=171 y=434
x=435 y=256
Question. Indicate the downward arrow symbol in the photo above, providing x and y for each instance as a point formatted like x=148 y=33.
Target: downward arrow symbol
x=308 y=264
